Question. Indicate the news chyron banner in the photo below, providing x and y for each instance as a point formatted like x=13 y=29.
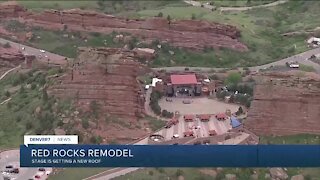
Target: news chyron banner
x=64 y=151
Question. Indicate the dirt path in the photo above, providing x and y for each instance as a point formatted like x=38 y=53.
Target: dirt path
x=5 y=101
x=7 y=72
x=245 y=8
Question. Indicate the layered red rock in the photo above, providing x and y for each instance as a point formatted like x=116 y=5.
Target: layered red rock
x=107 y=76
x=192 y=34
x=11 y=9
x=10 y=56
x=285 y=105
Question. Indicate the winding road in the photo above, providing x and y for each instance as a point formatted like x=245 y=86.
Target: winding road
x=244 y=8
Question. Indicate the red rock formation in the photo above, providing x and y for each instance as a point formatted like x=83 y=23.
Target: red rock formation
x=10 y=56
x=11 y=9
x=107 y=76
x=285 y=105
x=191 y=34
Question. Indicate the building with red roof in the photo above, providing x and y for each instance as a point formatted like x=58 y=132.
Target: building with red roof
x=212 y=132
x=183 y=85
x=188 y=133
x=204 y=117
x=221 y=116
x=183 y=79
x=188 y=118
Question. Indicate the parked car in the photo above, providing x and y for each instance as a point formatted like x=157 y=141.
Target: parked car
x=186 y=101
x=292 y=64
x=15 y=170
x=9 y=166
x=42 y=169
x=37 y=176
x=175 y=136
x=43 y=51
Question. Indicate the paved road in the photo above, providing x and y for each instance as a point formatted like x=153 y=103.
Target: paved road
x=301 y=58
x=12 y=157
x=53 y=58
x=245 y=8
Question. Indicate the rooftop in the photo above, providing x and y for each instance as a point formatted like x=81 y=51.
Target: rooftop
x=183 y=79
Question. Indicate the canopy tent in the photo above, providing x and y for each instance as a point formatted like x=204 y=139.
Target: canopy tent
x=235 y=122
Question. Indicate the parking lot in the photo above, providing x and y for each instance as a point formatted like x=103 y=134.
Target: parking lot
x=197 y=106
x=12 y=157
x=199 y=128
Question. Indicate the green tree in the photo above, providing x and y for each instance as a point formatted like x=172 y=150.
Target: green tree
x=95 y=108
x=169 y=19
x=233 y=79
x=65 y=27
x=240 y=111
x=193 y=16
x=179 y=172
x=44 y=95
x=160 y=14
x=7 y=94
x=85 y=123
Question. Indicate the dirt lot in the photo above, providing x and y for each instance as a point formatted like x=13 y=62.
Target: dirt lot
x=198 y=106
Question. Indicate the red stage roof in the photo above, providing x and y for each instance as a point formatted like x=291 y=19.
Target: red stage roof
x=183 y=79
x=221 y=116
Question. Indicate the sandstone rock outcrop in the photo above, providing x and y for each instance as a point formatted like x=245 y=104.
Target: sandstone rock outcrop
x=10 y=56
x=107 y=76
x=11 y=9
x=192 y=34
x=284 y=105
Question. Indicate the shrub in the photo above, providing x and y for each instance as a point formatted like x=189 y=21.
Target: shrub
x=29 y=125
x=85 y=123
x=95 y=139
x=18 y=118
x=166 y=114
x=169 y=19
x=193 y=16
x=65 y=27
x=179 y=172
x=9 y=105
x=233 y=78
x=33 y=86
x=7 y=94
x=94 y=107
x=240 y=111
x=150 y=173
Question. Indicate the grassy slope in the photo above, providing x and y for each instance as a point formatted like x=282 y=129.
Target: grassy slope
x=240 y=3
x=76 y=173
x=167 y=173
x=260 y=30
x=294 y=139
x=67 y=46
x=42 y=5
x=17 y=117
